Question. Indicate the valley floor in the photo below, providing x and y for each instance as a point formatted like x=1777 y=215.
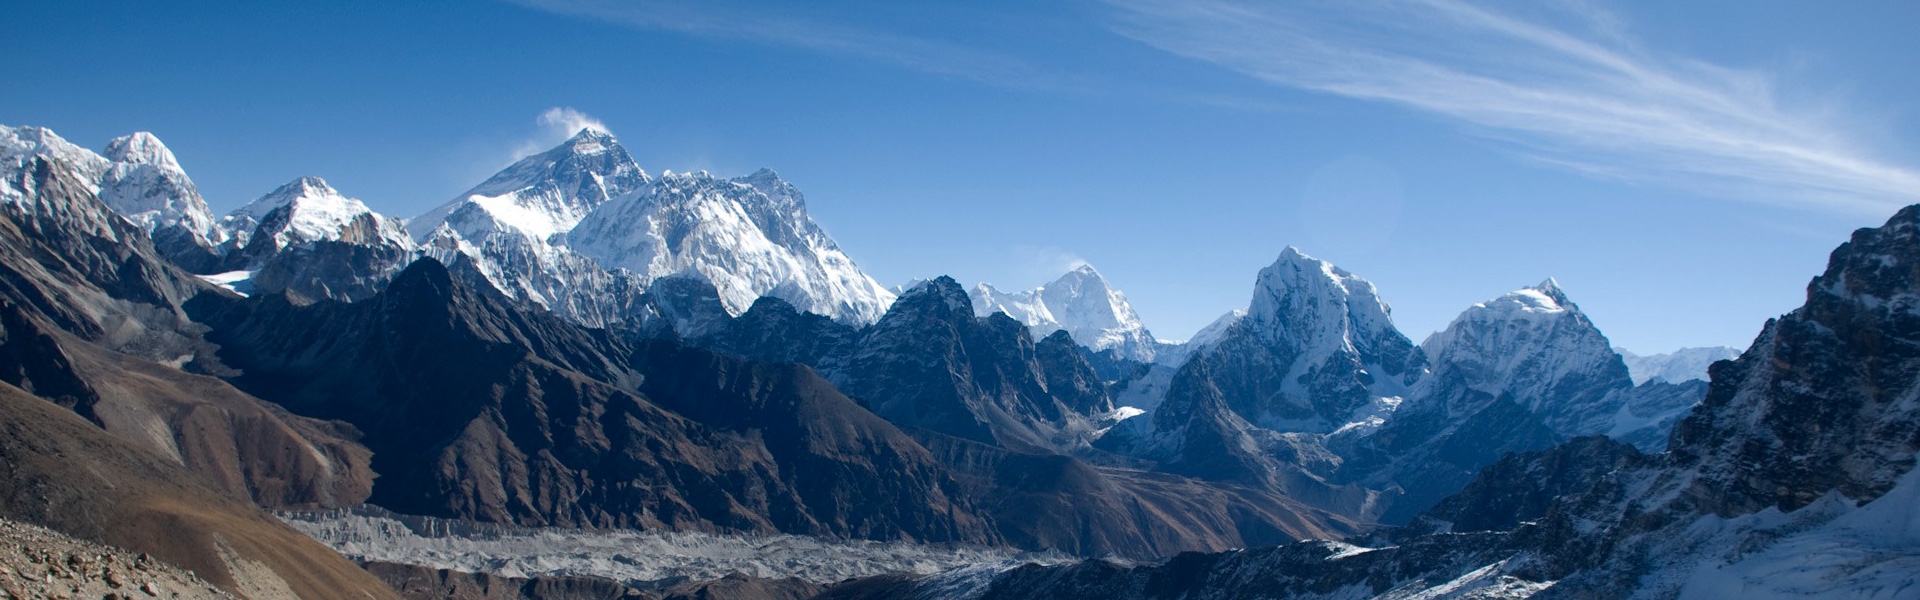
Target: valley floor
x=635 y=557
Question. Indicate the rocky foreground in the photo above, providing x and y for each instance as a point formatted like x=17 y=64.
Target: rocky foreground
x=36 y=562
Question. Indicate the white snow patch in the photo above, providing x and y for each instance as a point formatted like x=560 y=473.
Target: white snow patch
x=1828 y=549
x=238 y=282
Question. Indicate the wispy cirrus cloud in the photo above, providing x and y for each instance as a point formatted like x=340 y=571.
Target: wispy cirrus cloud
x=1567 y=84
x=776 y=26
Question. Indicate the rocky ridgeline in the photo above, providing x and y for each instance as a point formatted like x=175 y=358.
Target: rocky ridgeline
x=36 y=562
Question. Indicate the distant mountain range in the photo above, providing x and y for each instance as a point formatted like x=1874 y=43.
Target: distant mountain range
x=576 y=343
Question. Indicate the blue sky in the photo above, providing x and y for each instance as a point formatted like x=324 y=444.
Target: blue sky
x=1681 y=168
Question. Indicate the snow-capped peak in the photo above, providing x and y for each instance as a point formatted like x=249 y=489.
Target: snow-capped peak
x=314 y=211
x=1543 y=300
x=141 y=148
x=138 y=177
x=745 y=241
x=540 y=195
x=1080 y=302
x=308 y=190
x=1535 y=346
x=1309 y=303
x=18 y=144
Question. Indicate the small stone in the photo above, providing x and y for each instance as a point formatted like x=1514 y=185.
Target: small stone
x=112 y=579
x=151 y=588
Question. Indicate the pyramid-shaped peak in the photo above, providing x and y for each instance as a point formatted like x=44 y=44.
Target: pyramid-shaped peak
x=1551 y=287
x=305 y=186
x=942 y=288
x=590 y=140
x=142 y=148
x=1295 y=269
x=1545 y=296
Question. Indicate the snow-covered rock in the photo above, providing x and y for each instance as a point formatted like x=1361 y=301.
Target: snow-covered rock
x=1535 y=347
x=1315 y=355
x=583 y=231
x=1333 y=340
x=1080 y=302
x=146 y=185
x=308 y=210
x=540 y=195
x=20 y=144
x=140 y=179
x=749 y=236
x=1794 y=478
x=1685 y=364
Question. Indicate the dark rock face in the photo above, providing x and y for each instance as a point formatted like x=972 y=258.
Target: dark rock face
x=772 y=330
x=476 y=409
x=1493 y=502
x=69 y=259
x=1430 y=455
x=88 y=306
x=1828 y=384
x=330 y=270
x=1064 y=503
x=931 y=364
x=1069 y=376
x=1821 y=404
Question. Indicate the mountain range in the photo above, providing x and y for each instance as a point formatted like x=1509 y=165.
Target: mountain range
x=577 y=344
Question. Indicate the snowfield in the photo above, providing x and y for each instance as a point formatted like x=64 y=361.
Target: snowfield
x=371 y=534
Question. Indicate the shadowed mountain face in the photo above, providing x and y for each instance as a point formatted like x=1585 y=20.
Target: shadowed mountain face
x=1011 y=417
x=476 y=409
x=1793 y=478
x=122 y=449
x=88 y=307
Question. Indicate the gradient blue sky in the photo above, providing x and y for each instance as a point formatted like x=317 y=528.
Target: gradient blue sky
x=1681 y=168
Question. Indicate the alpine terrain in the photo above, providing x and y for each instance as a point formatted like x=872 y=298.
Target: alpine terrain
x=582 y=380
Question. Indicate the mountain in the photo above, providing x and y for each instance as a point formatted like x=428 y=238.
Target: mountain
x=931 y=364
x=307 y=239
x=307 y=210
x=583 y=231
x=1533 y=346
x=750 y=236
x=1010 y=417
x=1794 y=477
x=1315 y=353
x=1685 y=364
x=1518 y=373
x=1080 y=302
x=116 y=433
x=478 y=409
x=508 y=228
x=540 y=195
x=141 y=180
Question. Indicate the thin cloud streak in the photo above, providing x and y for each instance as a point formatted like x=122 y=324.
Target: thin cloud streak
x=715 y=20
x=1582 y=95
